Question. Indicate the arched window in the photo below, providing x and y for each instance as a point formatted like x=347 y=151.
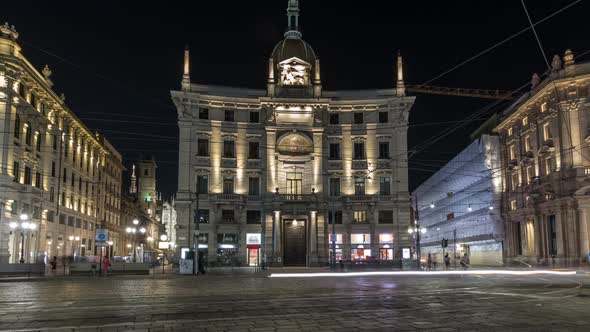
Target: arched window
x=17 y=127
x=28 y=133
x=38 y=142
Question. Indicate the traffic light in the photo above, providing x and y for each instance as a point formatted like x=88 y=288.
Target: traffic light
x=444 y=243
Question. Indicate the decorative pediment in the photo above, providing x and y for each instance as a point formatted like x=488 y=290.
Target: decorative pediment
x=294 y=72
x=359 y=139
x=294 y=144
x=384 y=138
x=334 y=139
x=229 y=137
x=202 y=171
x=254 y=138
x=206 y=135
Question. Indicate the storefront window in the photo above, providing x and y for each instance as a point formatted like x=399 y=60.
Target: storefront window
x=338 y=238
x=361 y=254
x=386 y=246
x=359 y=245
x=360 y=239
x=227 y=249
x=253 y=243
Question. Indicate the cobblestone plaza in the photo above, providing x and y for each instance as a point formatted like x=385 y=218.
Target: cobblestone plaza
x=258 y=303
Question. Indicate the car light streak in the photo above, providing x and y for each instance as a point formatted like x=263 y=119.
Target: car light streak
x=422 y=273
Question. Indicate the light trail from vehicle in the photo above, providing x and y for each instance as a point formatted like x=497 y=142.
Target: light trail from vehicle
x=423 y=273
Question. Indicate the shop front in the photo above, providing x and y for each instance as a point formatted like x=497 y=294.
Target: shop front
x=253 y=243
x=386 y=247
x=360 y=247
x=227 y=249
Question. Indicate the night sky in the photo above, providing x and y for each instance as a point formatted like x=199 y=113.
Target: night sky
x=116 y=62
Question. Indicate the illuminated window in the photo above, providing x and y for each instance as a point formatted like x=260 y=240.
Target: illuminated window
x=525 y=121
x=512 y=152
x=513 y=205
x=360 y=238
x=360 y=216
x=543 y=107
x=358 y=118
x=337 y=239
x=529 y=174
x=527 y=143
x=547 y=131
x=383 y=117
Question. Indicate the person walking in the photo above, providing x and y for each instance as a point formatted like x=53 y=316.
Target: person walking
x=429 y=262
x=434 y=262
x=105 y=266
x=447 y=261
x=201 y=263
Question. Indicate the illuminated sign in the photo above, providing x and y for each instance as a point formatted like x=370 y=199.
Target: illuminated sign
x=253 y=238
x=406 y=253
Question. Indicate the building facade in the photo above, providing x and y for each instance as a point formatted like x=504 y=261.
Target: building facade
x=54 y=172
x=273 y=167
x=461 y=203
x=169 y=221
x=544 y=139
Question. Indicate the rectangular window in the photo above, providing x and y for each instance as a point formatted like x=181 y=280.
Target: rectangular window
x=548 y=166
x=254 y=186
x=337 y=239
x=28 y=178
x=204 y=113
x=359 y=186
x=38 y=143
x=525 y=121
x=359 y=151
x=229 y=149
x=358 y=118
x=73 y=180
x=254 y=117
x=65 y=175
x=512 y=152
x=52 y=194
x=515 y=180
x=228 y=216
x=527 y=143
x=386 y=217
x=203 y=147
x=16 y=171
x=518 y=239
x=337 y=216
x=228 y=185
x=547 y=131
x=334 y=151
x=203 y=216
x=530 y=174
x=202 y=184
x=360 y=238
x=334 y=187
x=543 y=107
x=254 y=150
x=513 y=205
x=552 y=235
x=38 y=180
x=50 y=216
x=360 y=216
x=383 y=150
x=253 y=217
x=54 y=142
x=229 y=115
x=385 y=186
x=62 y=219
x=334 y=118
x=383 y=117
x=53 y=168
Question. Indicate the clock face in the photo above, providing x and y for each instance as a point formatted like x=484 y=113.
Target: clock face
x=294 y=72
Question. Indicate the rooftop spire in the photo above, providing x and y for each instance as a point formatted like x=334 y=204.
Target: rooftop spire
x=293 y=22
x=401 y=86
x=186 y=76
x=133 y=188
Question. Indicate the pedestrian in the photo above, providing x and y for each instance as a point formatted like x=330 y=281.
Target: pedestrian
x=54 y=264
x=105 y=265
x=434 y=261
x=201 y=263
x=447 y=260
x=465 y=261
x=429 y=262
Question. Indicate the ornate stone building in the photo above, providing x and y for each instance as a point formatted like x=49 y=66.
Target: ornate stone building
x=272 y=167
x=58 y=180
x=545 y=138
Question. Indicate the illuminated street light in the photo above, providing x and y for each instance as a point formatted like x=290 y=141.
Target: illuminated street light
x=432 y=206
x=71 y=238
x=77 y=238
x=110 y=243
x=163 y=237
x=135 y=222
x=128 y=230
x=24 y=216
x=142 y=230
x=13 y=225
x=150 y=239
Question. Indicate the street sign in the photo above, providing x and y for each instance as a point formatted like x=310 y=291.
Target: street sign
x=102 y=244
x=102 y=234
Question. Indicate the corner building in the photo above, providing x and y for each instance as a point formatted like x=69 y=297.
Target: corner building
x=274 y=167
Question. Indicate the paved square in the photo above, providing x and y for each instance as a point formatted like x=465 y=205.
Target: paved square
x=257 y=303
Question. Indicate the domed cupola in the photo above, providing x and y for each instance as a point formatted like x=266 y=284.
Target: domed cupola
x=293 y=64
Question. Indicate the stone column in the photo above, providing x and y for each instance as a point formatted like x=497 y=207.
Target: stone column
x=313 y=224
x=538 y=237
x=276 y=245
x=583 y=232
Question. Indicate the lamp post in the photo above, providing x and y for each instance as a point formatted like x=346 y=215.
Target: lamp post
x=131 y=232
x=24 y=226
x=417 y=230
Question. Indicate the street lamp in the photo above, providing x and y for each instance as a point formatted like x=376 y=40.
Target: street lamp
x=135 y=222
x=417 y=230
x=24 y=226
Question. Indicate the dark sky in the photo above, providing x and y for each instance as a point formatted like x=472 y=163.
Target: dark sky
x=117 y=61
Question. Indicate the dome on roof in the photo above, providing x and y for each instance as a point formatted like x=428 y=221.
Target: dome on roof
x=293 y=47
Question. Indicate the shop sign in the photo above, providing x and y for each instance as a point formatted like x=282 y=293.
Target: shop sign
x=163 y=245
x=254 y=238
x=406 y=253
